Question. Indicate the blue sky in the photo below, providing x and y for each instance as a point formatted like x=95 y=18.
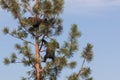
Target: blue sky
x=98 y=20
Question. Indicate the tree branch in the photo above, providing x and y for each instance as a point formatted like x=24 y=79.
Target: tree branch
x=79 y=73
x=15 y=62
x=43 y=51
x=41 y=43
x=22 y=39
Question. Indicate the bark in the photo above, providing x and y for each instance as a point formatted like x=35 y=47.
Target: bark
x=79 y=73
x=37 y=64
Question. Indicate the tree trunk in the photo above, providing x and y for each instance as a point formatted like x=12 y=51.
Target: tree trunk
x=37 y=64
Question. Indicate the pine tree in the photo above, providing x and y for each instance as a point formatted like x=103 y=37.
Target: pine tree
x=39 y=20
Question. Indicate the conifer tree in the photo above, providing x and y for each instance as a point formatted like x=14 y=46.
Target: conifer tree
x=39 y=20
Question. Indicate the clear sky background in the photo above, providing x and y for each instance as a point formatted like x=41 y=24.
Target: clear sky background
x=99 y=22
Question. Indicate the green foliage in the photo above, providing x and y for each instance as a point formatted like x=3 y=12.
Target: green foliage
x=58 y=30
x=13 y=58
x=6 y=30
x=47 y=11
x=18 y=47
x=73 y=77
x=58 y=6
x=74 y=34
x=71 y=46
x=36 y=7
x=52 y=7
x=12 y=6
x=85 y=72
x=6 y=61
x=23 y=78
x=88 y=53
x=47 y=8
x=72 y=65
x=90 y=78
